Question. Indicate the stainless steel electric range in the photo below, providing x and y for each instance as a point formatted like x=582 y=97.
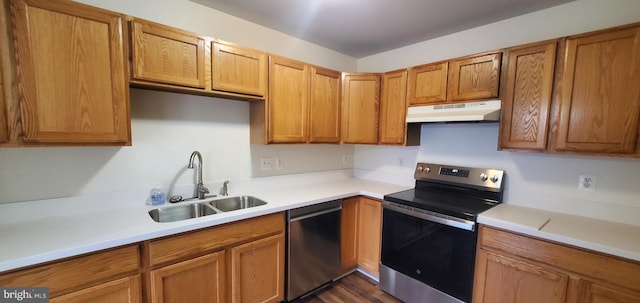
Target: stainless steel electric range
x=429 y=232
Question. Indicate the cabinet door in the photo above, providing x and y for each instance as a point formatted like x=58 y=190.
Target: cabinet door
x=125 y=290
x=257 y=273
x=393 y=108
x=4 y=130
x=369 y=235
x=349 y=234
x=167 y=55
x=526 y=96
x=71 y=65
x=600 y=95
x=360 y=108
x=499 y=279
x=200 y=279
x=238 y=70
x=428 y=83
x=590 y=292
x=324 y=115
x=474 y=78
x=288 y=100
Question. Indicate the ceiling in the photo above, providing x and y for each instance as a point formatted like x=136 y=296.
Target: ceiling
x=360 y=28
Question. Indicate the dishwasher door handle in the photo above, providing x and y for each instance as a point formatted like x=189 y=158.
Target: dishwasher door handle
x=314 y=214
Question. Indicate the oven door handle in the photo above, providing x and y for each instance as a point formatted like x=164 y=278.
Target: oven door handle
x=430 y=216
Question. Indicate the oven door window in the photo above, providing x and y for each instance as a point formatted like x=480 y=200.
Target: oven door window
x=438 y=255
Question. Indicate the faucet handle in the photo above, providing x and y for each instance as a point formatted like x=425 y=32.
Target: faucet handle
x=224 y=190
x=202 y=189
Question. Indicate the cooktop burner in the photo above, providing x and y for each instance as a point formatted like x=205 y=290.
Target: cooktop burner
x=456 y=191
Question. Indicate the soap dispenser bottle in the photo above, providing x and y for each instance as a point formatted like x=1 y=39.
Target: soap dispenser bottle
x=157 y=196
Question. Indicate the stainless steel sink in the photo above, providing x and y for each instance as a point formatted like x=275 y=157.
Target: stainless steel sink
x=236 y=203
x=190 y=211
x=182 y=212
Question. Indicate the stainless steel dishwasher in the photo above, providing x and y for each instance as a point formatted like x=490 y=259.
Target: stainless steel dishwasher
x=313 y=247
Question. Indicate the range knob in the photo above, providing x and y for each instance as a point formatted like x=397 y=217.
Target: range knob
x=494 y=178
x=483 y=177
x=423 y=169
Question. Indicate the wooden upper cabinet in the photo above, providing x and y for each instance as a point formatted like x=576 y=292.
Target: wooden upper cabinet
x=428 y=83
x=393 y=108
x=360 y=108
x=526 y=96
x=238 y=70
x=476 y=77
x=324 y=113
x=167 y=55
x=71 y=69
x=599 y=95
x=288 y=101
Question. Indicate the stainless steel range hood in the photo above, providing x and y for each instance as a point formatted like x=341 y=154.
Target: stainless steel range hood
x=457 y=112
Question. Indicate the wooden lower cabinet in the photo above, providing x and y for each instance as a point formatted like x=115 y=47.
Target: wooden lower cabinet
x=517 y=268
x=200 y=279
x=349 y=234
x=121 y=290
x=361 y=235
x=369 y=235
x=589 y=292
x=241 y=261
x=106 y=276
x=257 y=273
x=504 y=279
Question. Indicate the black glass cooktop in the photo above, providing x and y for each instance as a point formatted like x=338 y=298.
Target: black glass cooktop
x=466 y=206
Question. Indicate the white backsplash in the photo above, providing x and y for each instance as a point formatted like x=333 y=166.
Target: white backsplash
x=536 y=180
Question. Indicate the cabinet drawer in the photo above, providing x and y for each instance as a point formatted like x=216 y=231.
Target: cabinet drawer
x=197 y=243
x=77 y=273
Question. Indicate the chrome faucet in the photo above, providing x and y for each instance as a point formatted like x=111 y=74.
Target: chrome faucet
x=200 y=190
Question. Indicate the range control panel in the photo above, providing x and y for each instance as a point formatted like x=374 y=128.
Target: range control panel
x=482 y=177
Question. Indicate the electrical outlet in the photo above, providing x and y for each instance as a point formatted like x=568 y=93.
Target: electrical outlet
x=345 y=159
x=587 y=183
x=279 y=162
x=265 y=163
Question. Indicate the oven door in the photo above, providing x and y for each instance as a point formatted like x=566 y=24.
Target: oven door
x=439 y=254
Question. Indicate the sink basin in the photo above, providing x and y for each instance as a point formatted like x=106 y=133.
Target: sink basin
x=182 y=212
x=235 y=203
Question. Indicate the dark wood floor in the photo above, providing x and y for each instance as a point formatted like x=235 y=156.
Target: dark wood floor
x=354 y=288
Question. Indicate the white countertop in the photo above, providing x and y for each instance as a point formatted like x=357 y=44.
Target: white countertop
x=607 y=237
x=46 y=230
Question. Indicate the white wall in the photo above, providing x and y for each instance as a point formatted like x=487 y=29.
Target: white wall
x=167 y=127
x=536 y=180
x=563 y=20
